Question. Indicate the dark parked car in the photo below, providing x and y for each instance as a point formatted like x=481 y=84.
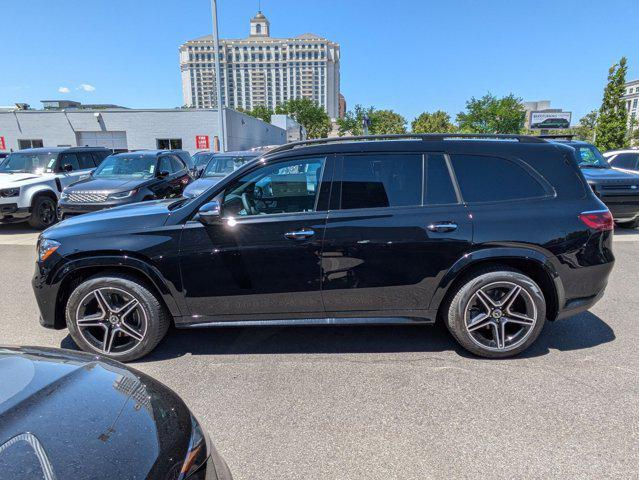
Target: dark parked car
x=70 y=415
x=493 y=236
x=126 y=178
x=219 y=166
x=201 y=160
x=552 y=123
x=617 y=188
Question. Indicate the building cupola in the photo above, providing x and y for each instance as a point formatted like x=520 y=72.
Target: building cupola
x=260 y=26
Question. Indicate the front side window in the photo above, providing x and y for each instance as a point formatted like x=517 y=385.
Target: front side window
x=166 y=165
x=69 y=159
x=286 y=187
x=177 y=164
x=126 y=166
x=493 y=179
x=22 y=162
x=222 y=165
x=380 y=180
x=86 y=160
x=626 y=160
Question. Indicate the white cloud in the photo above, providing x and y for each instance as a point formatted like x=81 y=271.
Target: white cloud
x=64 y=90
x=86 y=87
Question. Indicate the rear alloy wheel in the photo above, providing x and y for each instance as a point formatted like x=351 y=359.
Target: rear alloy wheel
x=117 y=317
x=43 y=212
x=497 y=313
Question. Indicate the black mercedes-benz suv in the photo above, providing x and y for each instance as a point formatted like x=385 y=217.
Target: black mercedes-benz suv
x=617 y=188
x=126 y=178
x=493 y=236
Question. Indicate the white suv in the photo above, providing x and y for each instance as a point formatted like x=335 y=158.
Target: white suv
x=31 y=181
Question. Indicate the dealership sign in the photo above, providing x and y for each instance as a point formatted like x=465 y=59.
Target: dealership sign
x=3 y=145
x=202 y=142
x=544 y=120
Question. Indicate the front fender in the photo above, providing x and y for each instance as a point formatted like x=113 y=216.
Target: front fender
x=31 y=191
x=496 y=254
x=151 y=273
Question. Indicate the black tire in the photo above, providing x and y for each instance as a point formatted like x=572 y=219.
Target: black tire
x=457 y=320
x=633 y=224
x=152 y=311
x=43 y=212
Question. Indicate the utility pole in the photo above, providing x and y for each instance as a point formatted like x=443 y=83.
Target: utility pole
x=218 y=79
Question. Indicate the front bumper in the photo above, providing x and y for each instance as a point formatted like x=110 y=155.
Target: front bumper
x=624 y=208
x=46 y=296
x=68 y=209
x=10 y=212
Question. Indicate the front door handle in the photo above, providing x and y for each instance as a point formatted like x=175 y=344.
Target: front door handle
x=441 y=227
x=299 y=234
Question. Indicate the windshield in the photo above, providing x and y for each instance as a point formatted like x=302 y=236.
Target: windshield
x=202 y=158
x=222 y=165
x=136 y=166
x=23 y=162
x=590 y=157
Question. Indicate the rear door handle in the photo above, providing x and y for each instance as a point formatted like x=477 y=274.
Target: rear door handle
x=442 y=227
x=299 y=234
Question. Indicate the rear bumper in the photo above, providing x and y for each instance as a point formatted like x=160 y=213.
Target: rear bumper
x=578 y=305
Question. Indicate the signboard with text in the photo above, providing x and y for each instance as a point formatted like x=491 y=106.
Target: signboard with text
x=3 y=145
x=544 y=120
x=202 y=142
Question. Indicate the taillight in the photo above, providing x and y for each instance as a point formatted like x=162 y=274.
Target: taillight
x=600 y=220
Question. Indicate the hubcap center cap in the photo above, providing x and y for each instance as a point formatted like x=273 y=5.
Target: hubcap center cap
x=497 y=313
x=113 y=320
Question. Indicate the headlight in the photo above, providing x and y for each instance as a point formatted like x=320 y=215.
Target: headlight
x=198 y=451
x=121 y=195
x=10 y=192
x=46 y=247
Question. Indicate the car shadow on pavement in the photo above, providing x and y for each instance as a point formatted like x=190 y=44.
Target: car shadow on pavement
x=582 y=331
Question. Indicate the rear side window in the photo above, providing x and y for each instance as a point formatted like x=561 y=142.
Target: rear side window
x=439 y=188
x=86 y=160
x=377 y=180
x=493 y=179
x=99 y=156
x=626 y=160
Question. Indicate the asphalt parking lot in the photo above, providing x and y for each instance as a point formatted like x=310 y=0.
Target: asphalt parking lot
x=377 y=402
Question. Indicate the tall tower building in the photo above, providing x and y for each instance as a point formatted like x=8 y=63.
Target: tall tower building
x=262 y=70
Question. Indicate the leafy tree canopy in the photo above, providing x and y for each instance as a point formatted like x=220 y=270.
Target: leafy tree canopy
x=490 y=114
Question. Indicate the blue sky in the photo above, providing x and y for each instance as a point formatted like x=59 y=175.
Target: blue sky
x=408 y=55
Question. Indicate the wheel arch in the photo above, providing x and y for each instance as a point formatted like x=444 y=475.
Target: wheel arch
x=33 y=193
x=76 y=271
x=531 y=262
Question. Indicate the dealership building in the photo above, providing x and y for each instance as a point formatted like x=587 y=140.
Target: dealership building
x=131 y=129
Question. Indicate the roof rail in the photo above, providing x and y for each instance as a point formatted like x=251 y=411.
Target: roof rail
x=425 y=137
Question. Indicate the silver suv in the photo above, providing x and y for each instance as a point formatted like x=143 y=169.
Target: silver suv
x=31 y=181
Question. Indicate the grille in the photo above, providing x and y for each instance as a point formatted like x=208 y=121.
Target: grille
x=628 y=187
x=87 y=197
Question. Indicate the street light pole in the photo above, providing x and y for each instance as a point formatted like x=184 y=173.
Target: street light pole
x=218 y=79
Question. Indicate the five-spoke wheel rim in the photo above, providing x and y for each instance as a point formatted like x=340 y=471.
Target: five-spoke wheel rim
x=500 y=316
x=111 y=320
x=47 y=212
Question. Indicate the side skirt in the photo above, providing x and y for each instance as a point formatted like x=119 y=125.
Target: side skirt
x=308 y=321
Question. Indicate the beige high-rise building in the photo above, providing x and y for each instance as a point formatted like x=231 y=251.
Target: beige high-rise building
x=262 y=70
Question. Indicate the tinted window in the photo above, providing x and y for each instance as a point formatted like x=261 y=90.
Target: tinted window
x=287 y=187
x=86 y=160
x=177 y=164
x=166 y=165
x=490 y=179
x=376 y=180
x=69 y=159
x=626 y=160
x=99 y=156
x=439 y=187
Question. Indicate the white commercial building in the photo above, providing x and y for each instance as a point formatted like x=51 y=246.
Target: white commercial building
x=262 y=70
x=130 y=129
x=631 y=98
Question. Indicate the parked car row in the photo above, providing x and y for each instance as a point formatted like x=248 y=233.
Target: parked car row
x=43 y=185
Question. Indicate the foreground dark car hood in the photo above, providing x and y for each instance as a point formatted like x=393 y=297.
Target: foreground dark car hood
x=610 y=175
x=85 y=417
x=200 y=185
x=135 y=216
x=107 y=184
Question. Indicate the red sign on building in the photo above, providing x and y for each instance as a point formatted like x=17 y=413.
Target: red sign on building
x=202 y=142
x=3 y=145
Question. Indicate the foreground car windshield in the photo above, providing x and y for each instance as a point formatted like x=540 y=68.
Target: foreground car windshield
x=222 y=165
x=590 y=157
x=138 y=166
x=28 y=163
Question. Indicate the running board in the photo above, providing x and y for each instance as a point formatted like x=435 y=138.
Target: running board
x=309 y=321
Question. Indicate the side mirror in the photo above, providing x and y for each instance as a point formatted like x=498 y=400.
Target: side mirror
x=210 y=213
x=163 y=174
x=67 y=167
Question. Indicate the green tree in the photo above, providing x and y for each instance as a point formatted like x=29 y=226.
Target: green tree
x=383 y=122
x=309 y=114
x=612 y=125
x=436 y=122
x=387 y=122
x=262 y=112
x=490 y=114
x=586 y=128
